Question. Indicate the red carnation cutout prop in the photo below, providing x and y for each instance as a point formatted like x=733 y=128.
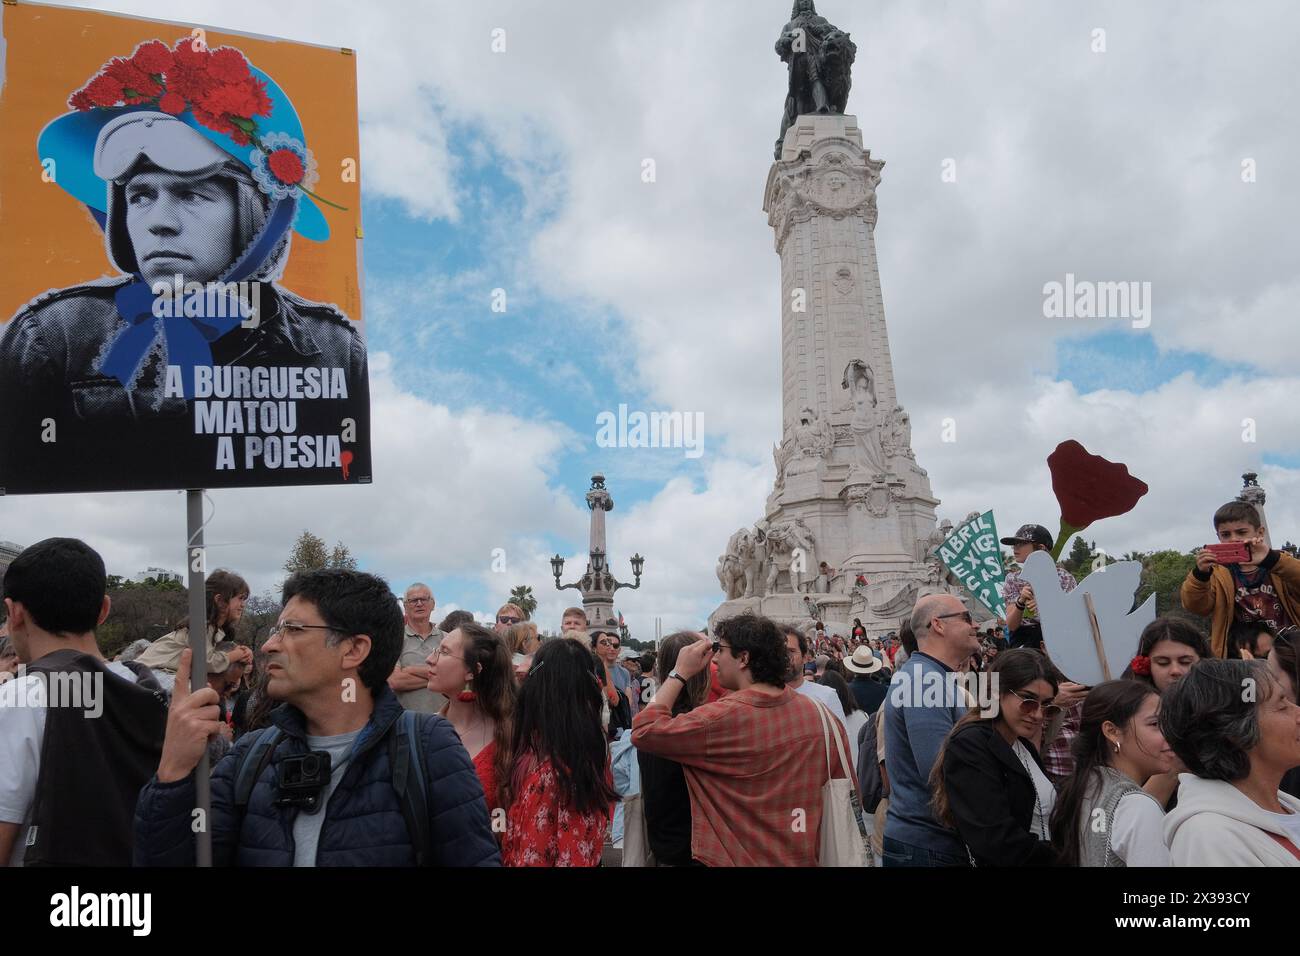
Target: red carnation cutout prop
x=1089 y=488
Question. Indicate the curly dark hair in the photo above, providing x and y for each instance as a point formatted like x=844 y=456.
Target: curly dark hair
x=1210 y=722
x=762 y=641
x=353 y=602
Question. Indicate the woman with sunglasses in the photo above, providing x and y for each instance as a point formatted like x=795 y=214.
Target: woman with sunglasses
x=472 y=669
x=1103 y=817
x=558 y=793
x=988 y=780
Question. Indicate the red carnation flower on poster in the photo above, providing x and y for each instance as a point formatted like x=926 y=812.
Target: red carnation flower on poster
x=1089 y=488
x=229 y=66
x=1140 y=665
x=172 y=103
x=287 y=166
x=103 y=90
x=153 y=58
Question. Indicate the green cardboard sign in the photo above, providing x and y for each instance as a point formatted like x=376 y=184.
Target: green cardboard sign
x=972 y=554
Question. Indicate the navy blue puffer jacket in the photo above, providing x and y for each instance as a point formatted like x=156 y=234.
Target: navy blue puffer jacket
x=363 y=823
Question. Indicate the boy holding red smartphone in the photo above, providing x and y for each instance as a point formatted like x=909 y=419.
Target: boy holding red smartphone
x=1263 y=587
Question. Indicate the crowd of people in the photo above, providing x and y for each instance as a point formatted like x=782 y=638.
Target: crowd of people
x=362 y=733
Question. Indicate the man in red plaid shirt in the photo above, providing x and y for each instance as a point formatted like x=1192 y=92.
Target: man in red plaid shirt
x=755 y=761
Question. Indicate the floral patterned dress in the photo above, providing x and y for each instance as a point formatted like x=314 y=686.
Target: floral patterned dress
x=542 y=832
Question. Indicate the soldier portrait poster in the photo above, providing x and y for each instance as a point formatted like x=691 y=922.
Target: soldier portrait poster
x=180 y=243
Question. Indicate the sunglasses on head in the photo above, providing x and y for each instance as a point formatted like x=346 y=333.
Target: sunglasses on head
x=1031 y=705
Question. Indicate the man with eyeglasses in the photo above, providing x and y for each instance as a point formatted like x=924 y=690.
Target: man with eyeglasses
x=410 y=678
x=924 y=703
x=325 y=785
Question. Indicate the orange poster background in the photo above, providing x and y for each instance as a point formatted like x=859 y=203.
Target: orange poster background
x=48 y=240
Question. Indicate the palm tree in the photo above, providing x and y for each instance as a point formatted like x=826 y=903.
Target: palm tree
x=523 y=596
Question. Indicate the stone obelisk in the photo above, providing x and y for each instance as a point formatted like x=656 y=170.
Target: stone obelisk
x=850 y=522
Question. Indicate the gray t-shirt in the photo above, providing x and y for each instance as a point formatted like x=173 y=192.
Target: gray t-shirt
x=416 y=651
x=306 y=826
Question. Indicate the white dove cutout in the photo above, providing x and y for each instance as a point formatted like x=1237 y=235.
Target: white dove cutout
x=1067 y=629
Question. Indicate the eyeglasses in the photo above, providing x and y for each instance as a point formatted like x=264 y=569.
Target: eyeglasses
x=509 y=620
x=1031 y=704
x=614 y=644
x=438 y=652
x=419 y=600
x=964 y=615
x=296 y=630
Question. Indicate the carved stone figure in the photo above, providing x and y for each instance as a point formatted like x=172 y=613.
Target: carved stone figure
x=866 y=423
x=820 y=58
x=811 y=442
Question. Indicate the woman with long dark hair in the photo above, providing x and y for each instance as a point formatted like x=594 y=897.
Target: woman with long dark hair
x=558 y=791
x=1167 y=650
x=666 y=801
x=473 y=670
x=988 y=780
x=1103 y=817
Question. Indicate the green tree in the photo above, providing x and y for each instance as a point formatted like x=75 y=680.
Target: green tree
x=1079 y=561
x=1163 y=573
x=523 y=596
x=309 y=554
x=139 y=611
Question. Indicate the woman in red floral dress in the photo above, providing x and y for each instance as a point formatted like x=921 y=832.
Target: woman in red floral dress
x=559 y=795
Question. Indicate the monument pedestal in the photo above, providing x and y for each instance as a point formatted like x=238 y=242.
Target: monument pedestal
x=848 y=491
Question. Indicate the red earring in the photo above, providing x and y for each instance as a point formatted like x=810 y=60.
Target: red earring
x=467 y=695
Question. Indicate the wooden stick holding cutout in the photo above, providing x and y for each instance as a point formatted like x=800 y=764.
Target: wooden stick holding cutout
x=1096 y=634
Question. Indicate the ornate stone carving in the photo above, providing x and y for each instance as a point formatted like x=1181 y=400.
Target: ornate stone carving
x=836 y=187
x=810 y=443
x=870 y=460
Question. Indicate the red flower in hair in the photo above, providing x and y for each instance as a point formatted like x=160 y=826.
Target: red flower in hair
x=153 y=58
x=286 y=166
x=1140 y=665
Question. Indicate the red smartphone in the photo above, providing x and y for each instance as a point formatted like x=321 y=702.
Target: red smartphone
x=1230 y=552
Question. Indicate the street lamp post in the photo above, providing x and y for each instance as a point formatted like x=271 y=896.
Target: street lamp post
x=598 y=585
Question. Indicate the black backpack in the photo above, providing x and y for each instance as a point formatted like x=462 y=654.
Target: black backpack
x=870 y=783
x=404 y=758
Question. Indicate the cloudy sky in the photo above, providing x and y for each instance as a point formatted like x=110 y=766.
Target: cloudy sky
x=1161 y=158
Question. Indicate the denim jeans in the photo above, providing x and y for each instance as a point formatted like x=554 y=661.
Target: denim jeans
x=905 y=854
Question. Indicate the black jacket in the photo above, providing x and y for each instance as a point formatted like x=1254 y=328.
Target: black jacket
x=992 y=798
x=50 y=353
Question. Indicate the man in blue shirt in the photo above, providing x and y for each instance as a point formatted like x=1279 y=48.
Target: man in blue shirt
x=924 y=703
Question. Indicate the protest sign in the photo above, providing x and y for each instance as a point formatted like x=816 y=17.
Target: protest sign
x=971 y=552
x=179 y=225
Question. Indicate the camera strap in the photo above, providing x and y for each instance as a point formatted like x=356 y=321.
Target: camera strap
x=405 y=764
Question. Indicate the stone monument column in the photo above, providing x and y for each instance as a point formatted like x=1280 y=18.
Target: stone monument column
x=848 y=490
